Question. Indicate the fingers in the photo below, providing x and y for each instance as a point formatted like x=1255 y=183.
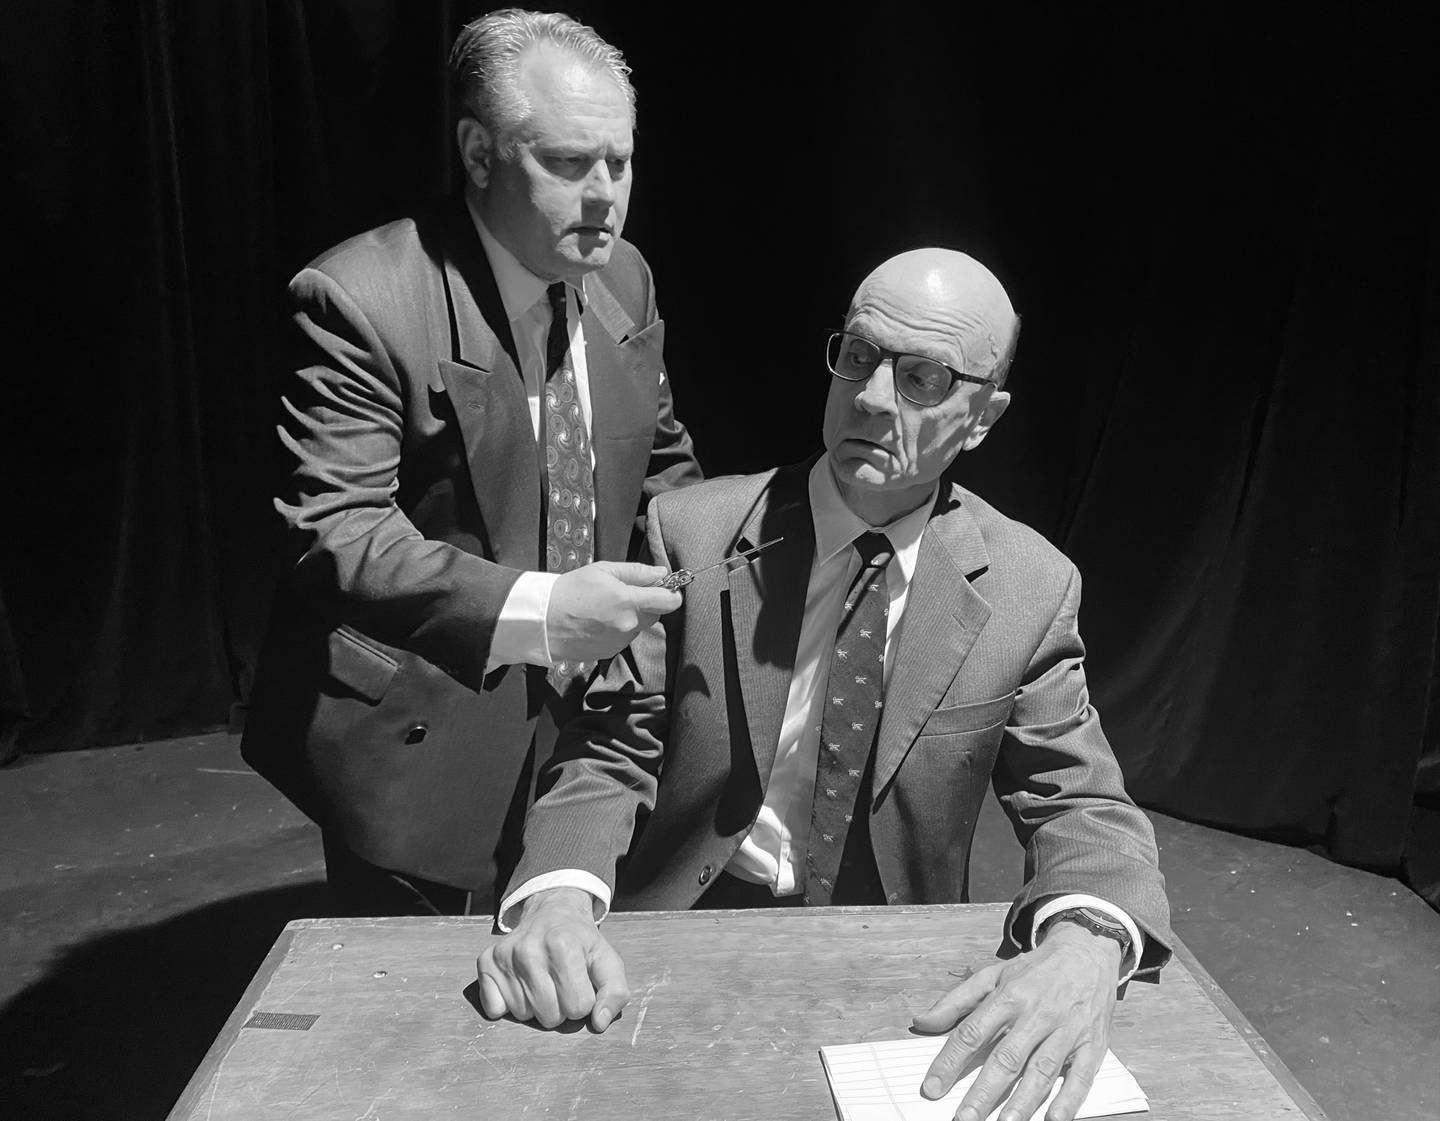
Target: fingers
x=966 y=1049
x=515 y=977
x=492 y=1000
x=499 y=992
x=636 y=575
x=1084 y=1065
x=574 y=993
x=553 y=968
x=983 y=1022
x=1035 y=1019
x=958 y=1003
x=607 y=972
x=649 y=601
x=1008 y=1060
x=654 y=602
x=551 y=971
x=1027 y=1063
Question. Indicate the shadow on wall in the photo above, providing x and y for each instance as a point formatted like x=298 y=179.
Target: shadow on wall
x=119 y=1023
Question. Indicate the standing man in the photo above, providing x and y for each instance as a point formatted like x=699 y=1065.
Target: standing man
x=479 y=414
x=819 y=727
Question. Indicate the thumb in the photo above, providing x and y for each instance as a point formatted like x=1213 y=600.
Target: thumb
x=612 y=991
x=636 y=575
x=955 y=1005
x=655 y=602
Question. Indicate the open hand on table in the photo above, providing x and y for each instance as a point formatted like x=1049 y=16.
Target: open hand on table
x=554 y=966
x=1041 y=1012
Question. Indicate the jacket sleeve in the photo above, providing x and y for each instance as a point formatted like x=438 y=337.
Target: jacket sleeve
x=1060 y=785
x=358 y=557
x=602 y=778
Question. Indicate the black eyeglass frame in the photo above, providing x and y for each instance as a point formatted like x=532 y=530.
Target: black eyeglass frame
x=895 y=356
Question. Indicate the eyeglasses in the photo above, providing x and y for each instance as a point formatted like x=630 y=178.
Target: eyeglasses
x=920 y=380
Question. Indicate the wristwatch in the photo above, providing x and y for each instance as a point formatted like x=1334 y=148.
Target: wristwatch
x=1097 y=922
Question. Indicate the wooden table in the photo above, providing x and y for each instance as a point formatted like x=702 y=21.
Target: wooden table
x=377 y=1019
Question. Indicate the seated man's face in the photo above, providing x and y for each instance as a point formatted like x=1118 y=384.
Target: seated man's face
x=877 y=440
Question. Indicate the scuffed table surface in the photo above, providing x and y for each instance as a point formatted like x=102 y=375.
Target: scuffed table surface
x=728 y=1013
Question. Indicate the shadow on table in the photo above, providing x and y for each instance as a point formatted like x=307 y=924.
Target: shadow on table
x=119 y=1023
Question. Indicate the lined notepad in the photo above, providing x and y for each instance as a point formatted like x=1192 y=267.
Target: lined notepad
x=881 y=1082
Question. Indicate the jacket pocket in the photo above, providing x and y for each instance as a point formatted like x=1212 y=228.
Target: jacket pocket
x=649 y=340
x=359 y=666
x=969 y=717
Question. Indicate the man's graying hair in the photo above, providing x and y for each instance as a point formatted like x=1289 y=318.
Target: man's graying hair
x=485 y=64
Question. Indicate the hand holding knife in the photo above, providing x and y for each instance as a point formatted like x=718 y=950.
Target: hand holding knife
x=683 y=576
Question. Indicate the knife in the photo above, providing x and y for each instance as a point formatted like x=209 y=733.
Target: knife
x=682 y=576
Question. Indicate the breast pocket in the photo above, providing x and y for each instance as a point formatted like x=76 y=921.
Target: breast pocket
x=974 y=717
x=625 y=385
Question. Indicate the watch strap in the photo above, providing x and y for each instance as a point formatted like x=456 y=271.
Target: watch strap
x=1097 y=922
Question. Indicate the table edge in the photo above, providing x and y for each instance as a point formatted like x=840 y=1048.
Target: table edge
x=209 y=1066
x=214 y=1056
x=1247 y=1031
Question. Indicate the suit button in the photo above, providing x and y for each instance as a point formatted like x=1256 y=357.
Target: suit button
x=416 y=734
x=705 y=874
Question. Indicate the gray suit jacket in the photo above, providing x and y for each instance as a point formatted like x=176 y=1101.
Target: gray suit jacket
x=413 y=505
x=665 y=770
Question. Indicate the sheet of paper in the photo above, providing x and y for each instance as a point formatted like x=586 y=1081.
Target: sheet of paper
x=881 y=1082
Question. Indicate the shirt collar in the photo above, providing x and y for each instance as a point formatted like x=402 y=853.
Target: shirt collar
x=520 y=289
x=836 y=525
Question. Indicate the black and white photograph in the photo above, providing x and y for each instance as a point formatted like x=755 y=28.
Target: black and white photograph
x=545 y=579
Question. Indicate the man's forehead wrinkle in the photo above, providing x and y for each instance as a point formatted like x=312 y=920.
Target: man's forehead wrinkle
x=892 y=310
x=930 y=291
x=920 y=321
x=979 y=341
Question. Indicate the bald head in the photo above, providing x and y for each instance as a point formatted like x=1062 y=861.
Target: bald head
x=950 y=294
x=889 y=439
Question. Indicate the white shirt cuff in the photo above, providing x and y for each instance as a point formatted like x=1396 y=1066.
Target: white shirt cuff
x=1064 y=902
x=520 y=634
x=561 y=877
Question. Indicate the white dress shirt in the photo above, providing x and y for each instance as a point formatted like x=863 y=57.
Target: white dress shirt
x=520 y=634
x=773 y=853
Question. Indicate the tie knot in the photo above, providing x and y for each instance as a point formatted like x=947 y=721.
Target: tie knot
x=874 y=549
x=556 y=295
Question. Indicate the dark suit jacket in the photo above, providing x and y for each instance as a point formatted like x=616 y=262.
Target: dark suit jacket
x=414 y=504
x=678 y=738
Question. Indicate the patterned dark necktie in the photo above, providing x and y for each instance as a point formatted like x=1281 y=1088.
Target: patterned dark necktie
x=854 y=702
x=570 y=483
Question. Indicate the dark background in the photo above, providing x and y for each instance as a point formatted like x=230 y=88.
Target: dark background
x=1220 y=227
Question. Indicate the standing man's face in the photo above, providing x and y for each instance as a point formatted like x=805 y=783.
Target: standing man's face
x=558 y=201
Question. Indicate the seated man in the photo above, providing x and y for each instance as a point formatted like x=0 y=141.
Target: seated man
x=828 y=716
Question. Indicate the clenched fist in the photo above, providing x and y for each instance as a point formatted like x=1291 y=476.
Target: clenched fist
x=555 y=965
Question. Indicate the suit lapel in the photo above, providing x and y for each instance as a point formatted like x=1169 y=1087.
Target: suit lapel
x=482 y=379
x=623 y=367
x=766 y=604
x=943 y=617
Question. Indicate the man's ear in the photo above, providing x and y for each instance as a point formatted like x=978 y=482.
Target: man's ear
x=477 y=150
x=993 y=409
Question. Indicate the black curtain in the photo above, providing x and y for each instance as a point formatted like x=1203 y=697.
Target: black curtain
x=1219 y=224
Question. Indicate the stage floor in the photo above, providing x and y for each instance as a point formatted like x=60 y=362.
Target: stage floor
x=141 y=886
